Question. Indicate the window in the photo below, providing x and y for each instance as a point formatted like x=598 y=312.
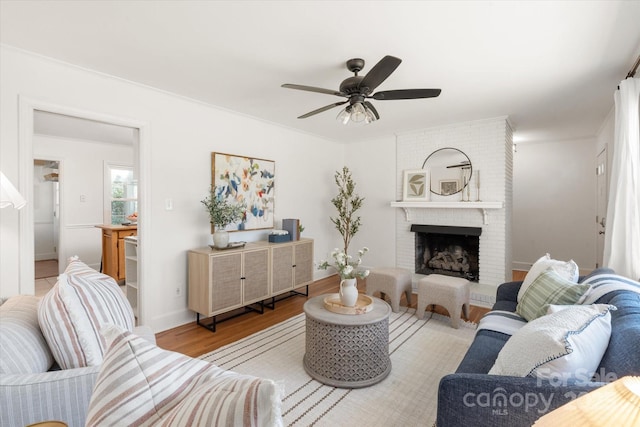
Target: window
x=121 y=194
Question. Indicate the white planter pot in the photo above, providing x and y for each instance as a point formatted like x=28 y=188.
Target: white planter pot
x=220 y=239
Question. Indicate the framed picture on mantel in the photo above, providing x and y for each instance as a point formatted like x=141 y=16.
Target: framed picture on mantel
x=415 y=187
x=448 y=186
x=246 y=180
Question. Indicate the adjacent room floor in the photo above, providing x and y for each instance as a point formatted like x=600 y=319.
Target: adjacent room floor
x=46 y=275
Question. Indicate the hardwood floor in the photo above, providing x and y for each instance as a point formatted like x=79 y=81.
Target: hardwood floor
x=46 y=268
x=194 y=340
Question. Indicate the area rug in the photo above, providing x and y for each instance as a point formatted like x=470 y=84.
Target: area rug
x=421 y=352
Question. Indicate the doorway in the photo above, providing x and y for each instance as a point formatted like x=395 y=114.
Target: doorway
x=86 y=147
x=46 y=223
x=29 y=111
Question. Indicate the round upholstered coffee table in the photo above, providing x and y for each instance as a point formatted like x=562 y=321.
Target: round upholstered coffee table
x=347 y=350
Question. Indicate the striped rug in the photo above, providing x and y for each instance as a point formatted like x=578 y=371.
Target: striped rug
x=421 y=351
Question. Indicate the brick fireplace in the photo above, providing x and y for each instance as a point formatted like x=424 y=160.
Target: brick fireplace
x=488 y=144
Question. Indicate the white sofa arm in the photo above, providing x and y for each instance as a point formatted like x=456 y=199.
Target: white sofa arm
x=55 y=395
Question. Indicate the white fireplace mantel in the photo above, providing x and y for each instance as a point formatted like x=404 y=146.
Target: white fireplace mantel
x=483 y=206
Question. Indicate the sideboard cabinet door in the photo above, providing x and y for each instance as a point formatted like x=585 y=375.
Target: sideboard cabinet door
x=226 y=282
x=282 y=273
x=303 y=262
x=256 y=276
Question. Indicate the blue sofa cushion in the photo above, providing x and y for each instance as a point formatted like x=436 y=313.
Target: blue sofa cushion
x=623 y=354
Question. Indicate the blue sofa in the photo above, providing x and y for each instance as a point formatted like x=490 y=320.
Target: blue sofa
x=472 y=397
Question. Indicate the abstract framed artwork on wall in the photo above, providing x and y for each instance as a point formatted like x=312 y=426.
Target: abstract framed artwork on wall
x=415 y=186
x=449 y=186
x=247 y=180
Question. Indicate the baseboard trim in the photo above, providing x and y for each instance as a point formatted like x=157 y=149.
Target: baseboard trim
x=171 y=320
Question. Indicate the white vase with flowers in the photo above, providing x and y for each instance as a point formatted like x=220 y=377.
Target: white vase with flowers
x=349 y=270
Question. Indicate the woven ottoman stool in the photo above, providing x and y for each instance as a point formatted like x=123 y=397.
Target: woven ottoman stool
x=392 y=282
x=446 y=291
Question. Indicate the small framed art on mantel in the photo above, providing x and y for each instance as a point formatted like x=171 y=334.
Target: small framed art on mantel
x=448 y=186
x=246 y=180
x=416 y=186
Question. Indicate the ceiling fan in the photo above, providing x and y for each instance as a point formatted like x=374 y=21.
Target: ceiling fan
x=358 y=89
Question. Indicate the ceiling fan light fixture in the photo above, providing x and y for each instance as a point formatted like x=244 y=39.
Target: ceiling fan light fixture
x=357 y=89
x=369 y=116
x=358 y=112
x=344 y=115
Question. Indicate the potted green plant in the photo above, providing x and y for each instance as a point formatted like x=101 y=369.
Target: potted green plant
x=347 y=202
x=221 y=214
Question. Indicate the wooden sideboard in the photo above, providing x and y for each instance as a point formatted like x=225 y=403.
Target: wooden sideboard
x=113 y=248
x=224 y=280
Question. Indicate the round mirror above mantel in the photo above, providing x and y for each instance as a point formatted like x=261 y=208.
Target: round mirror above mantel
x=449 y=169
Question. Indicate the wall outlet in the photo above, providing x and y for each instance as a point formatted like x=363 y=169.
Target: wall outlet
x=178 y=291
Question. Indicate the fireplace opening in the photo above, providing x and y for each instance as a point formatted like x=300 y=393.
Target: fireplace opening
x=452 y=251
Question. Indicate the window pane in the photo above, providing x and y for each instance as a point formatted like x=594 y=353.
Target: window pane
x=120 y=210
x=123 y=185
x=124 y=194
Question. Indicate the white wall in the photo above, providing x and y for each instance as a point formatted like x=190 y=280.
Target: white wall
x=82 y=173
x=372 y=164
x=183 y=133
x=554 y=190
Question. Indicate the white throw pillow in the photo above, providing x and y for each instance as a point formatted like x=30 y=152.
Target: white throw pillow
x=568 y=344
x=566 y=269
x=141 y=384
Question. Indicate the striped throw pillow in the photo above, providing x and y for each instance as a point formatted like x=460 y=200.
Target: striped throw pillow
x=73 y=312
x=141 y=384
x=23 y=349
x=549 y=288
x=75 y=267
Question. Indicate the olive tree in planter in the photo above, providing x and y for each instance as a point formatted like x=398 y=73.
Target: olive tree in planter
x=221 y=214
x=347 y=202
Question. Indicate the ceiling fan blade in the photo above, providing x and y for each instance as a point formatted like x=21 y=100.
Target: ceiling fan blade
x=372 y=108
x=320 y=110
x=406 y=94
x=464 y=164
x=313 y=89
x=380 y=72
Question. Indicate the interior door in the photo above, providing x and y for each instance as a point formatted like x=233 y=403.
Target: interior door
x=601 y=204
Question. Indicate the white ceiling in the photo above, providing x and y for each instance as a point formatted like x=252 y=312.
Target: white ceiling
x=552 y=67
